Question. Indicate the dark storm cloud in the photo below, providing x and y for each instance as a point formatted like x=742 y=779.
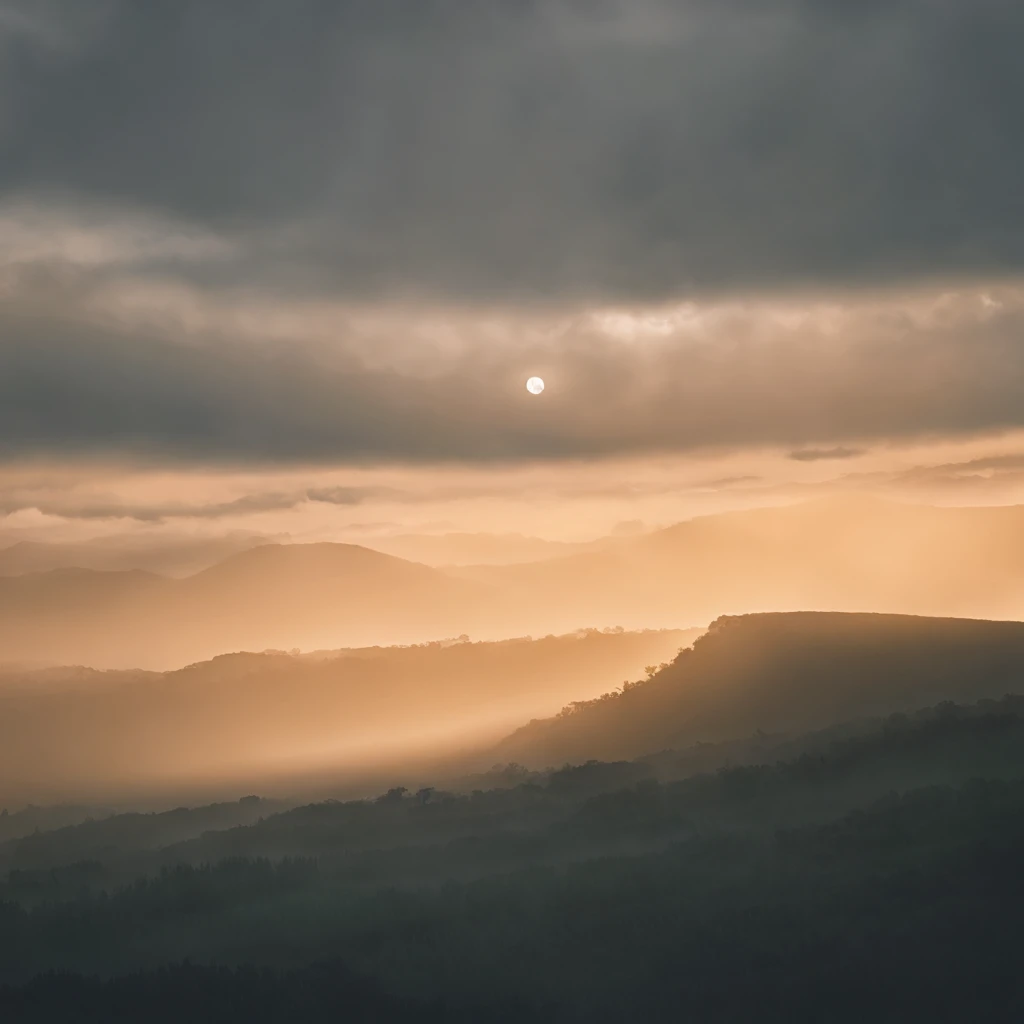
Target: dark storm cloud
x=616 y=148
x=69 y=386
x=74 y=388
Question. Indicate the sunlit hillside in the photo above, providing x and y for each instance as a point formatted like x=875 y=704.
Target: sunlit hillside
x=783 y=674
x=277 y=720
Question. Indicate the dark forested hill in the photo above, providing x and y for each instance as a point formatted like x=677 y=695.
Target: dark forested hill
x=871 y=877
x=786 y=672
x=513 y=818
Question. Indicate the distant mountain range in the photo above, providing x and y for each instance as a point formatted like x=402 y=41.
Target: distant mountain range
x=184 y=556
x=475 y=548
x=280 y=596
x=174 y=556
x=849 y=553
x=843 y=554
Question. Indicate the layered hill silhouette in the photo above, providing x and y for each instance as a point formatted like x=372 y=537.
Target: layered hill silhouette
x=272 y=596
x=839 y=554
x=843 y=553
x=243 y=719
x=183 y=556
x=783 y=673
x=174 y=556
x=474 y=548
x=885 y=841
x=585 y=811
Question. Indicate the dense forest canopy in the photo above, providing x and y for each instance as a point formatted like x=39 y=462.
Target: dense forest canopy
x=877 y=852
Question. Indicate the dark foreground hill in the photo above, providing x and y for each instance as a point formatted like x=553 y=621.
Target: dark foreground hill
x=513 y=818
x=783 y=672
x=876 y=877
x=866 y=870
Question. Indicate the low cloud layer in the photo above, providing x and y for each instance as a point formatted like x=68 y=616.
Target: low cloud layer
x=821 y=379
x=824 y=454
x=88 y=501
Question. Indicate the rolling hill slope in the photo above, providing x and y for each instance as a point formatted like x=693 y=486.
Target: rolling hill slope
x=242 y=720
x=784 y=673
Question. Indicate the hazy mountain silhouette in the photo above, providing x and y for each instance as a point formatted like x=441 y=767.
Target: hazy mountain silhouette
x=783 y=672
x=474 y=548
x=269 y=718
x=842 y=554
x=847 y=553
x=168 y=557
x=284 y=596
x=76 y=615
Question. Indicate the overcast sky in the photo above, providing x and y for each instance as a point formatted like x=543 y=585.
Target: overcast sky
x=255 y=237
